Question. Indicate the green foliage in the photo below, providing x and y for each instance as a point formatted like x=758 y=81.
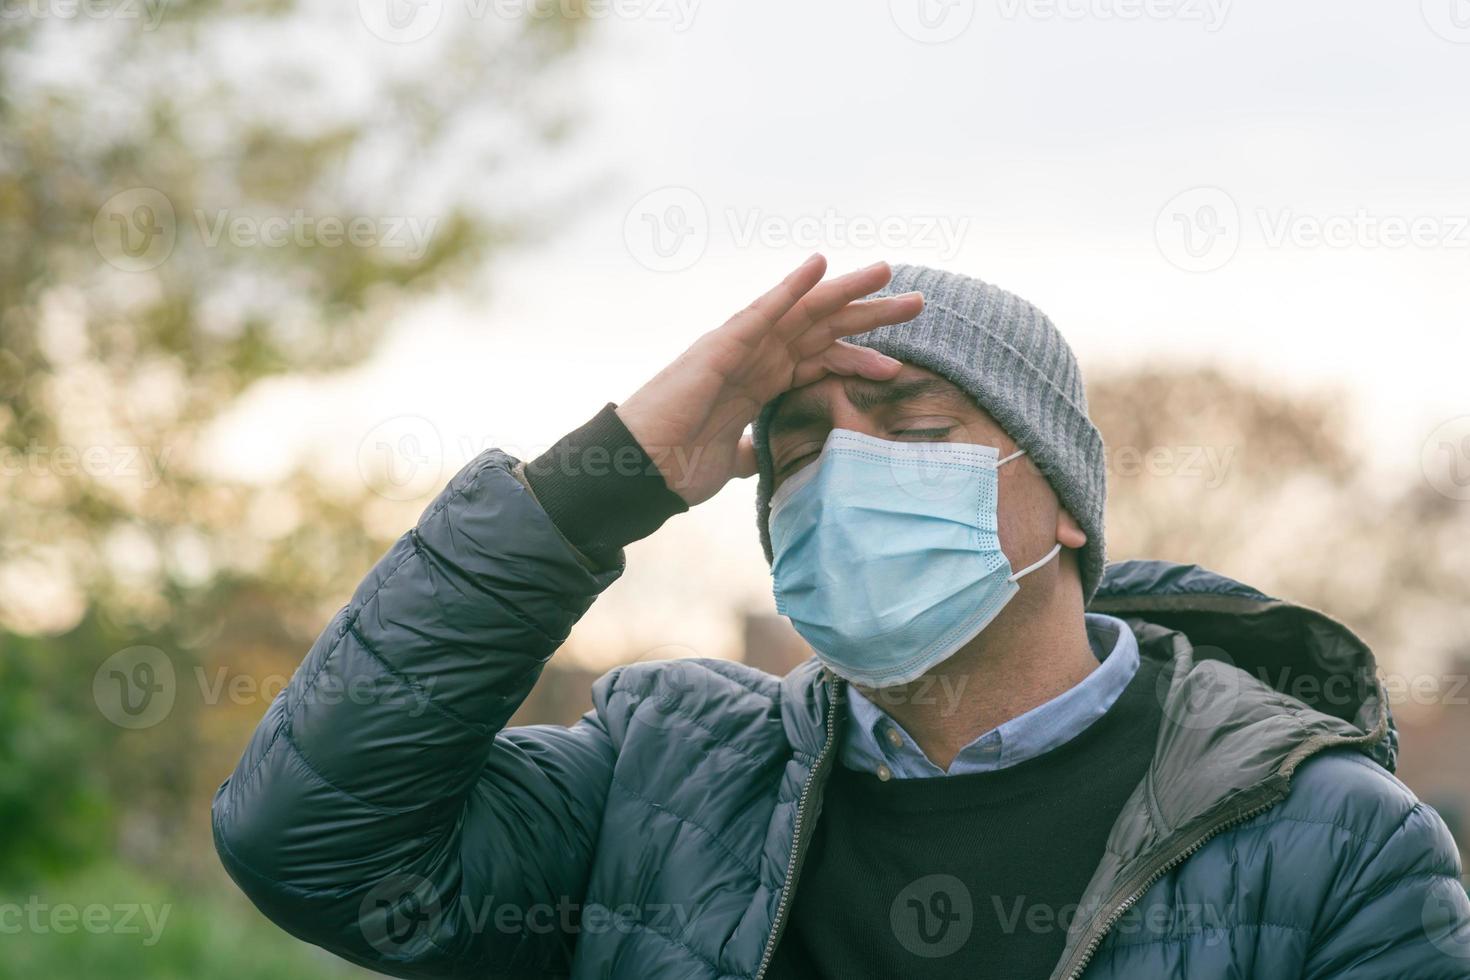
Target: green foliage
x=113 y=533
x=115 y=923
x=54 y=811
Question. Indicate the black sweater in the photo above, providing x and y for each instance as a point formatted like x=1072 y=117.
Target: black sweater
x=975 y=876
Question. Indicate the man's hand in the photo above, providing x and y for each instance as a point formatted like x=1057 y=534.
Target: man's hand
x=690 y=418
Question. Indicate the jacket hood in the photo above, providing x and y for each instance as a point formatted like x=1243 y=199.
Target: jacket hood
x=1316 y=662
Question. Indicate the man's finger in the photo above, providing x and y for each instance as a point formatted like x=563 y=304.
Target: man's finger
x=833 y=295
x=848 y=360
x=858 y=317
x=764 y=313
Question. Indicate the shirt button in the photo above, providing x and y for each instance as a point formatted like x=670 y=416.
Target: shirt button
x=894 y=739
x=884 y=773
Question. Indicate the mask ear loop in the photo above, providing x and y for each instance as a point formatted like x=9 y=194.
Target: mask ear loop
x=1056 y=548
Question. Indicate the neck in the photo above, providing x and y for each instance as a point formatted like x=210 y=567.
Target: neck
x=1035 y=650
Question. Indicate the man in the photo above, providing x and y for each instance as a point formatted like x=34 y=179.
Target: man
x=973 y=777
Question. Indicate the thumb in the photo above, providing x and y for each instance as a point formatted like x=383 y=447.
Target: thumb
x=745 y=461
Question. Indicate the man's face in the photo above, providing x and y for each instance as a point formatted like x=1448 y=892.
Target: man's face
x=920 y=406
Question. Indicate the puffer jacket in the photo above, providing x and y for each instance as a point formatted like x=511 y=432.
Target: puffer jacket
x=403 y=828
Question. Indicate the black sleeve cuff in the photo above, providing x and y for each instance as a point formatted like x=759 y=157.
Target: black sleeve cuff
x=601 y=489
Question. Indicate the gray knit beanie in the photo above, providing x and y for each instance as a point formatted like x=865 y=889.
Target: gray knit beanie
x=1008 y=356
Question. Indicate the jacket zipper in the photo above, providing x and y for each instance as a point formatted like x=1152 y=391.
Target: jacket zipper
x=798 y=843
x=1121 y=908
x=1273 y=794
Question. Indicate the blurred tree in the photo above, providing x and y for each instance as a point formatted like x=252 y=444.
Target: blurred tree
x=194 y=197
x=1274 y=488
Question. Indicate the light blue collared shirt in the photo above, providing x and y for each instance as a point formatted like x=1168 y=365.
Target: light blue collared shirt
x=876 y=743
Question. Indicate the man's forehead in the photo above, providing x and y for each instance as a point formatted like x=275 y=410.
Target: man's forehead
x=809 y=404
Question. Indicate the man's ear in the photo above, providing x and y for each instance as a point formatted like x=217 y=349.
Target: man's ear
x=1069 y=532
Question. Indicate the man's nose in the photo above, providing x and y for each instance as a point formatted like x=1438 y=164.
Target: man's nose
x=845 y=415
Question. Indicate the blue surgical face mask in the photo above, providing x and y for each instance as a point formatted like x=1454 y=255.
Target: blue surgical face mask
x=886 y=554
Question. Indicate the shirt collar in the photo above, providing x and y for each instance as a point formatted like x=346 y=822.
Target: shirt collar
x=876 y=743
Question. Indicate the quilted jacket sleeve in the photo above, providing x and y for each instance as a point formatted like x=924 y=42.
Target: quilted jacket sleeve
x=1405 y=913
x=379 y=810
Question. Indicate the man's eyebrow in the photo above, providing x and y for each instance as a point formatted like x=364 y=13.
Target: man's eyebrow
x=806 y=410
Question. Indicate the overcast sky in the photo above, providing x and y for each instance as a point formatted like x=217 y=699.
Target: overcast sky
x=1280 y=188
